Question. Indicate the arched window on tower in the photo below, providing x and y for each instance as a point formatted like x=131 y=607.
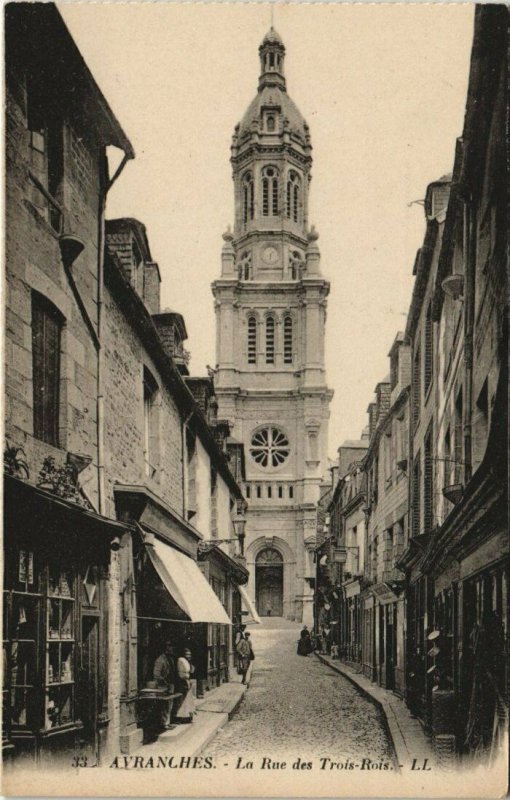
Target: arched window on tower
x=293 y=196
x=270 y=191
x=270 y=340
x=252 y=340
x=271 y=123
x=287 y=340
x=248 y=197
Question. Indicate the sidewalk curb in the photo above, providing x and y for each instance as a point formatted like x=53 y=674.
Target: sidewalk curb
x=402 y=755
x=223 y=718
x=199 y=747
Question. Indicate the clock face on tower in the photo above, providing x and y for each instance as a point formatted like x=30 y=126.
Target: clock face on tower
x=270 y=255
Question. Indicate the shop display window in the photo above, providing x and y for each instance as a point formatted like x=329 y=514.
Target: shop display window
x=21 y=620
x=60 y=649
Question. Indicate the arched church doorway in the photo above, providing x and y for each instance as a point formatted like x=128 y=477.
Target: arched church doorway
x=269 y=583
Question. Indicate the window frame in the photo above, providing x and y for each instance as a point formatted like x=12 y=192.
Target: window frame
x=46 y=421
x=150 y=392
x=288 y=339
x=270 y=339
x=251 y=337
x=270 y=191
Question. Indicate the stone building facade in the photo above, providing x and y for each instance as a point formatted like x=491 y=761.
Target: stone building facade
x=117 y=470
x=60 y=576
x=387 y=523
x=423 y=465
x=436 y=469
x=167 y=474
x=270 y=304
x=460 y=539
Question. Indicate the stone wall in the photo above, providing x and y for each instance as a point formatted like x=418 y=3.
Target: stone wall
x=33 y=263
x=125 y=359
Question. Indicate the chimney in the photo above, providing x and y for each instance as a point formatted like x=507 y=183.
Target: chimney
x=151 y=286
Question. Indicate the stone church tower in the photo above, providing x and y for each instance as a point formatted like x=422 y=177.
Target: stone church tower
x=270 y=306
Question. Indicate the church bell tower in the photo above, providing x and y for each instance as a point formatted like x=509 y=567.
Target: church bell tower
x=270 y=304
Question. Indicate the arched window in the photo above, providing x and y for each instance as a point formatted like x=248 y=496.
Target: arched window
x=269 y=557
x=293 y=196
x=269 y=191
x=271 y=123
x=248 y=197
x=296 y=203
x=270 y=340
x=252 y=340
x=287 y=340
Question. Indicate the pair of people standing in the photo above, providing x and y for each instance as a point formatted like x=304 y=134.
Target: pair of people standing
x=245 y=654
x=175 y=677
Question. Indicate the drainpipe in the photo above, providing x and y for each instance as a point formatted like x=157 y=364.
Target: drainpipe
x=469 y=310
x=100 y=358
x=185 y=464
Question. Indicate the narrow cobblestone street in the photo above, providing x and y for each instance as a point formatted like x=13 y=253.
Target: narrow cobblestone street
x=291 y=710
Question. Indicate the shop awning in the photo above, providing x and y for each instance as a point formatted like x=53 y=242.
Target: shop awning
x=251 y=618
x=186 y=584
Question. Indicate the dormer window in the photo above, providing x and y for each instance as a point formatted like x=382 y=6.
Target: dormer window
x=271 y=123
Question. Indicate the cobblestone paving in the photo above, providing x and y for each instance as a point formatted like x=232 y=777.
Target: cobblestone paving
x=296 y=706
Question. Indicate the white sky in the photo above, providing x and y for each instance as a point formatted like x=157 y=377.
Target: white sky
x=383 y=88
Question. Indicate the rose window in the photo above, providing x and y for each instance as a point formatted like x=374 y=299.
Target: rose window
x=269 y=447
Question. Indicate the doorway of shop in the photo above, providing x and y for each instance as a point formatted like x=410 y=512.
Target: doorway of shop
x=269 y=583
x=87 y=689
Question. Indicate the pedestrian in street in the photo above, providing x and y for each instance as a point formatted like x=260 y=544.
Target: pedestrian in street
x=244 y=651
x=164 y=675
x=304 y=647
x=250 y=644
x=327 y=639
x=239 y=633
x=186 y=708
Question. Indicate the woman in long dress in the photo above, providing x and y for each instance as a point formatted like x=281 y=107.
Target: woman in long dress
x=304 y=647
x=185 y=670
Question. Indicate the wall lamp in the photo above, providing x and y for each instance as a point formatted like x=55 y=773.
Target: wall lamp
x=70 y=248
x=453 y=286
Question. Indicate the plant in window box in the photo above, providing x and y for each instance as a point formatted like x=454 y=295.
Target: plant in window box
x=14 y=462
x=61 y=481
